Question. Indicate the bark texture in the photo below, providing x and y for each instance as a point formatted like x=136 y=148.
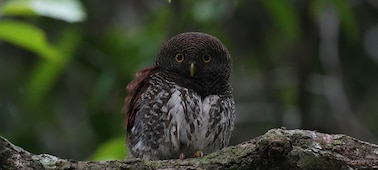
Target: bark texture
x=276 y=149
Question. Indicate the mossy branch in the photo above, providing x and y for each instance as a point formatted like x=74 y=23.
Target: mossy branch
x=277 y=149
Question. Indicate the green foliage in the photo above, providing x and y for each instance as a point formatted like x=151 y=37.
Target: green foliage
x=345 y=13
x=45 y=73
x=34 y=39
x=66 y=10
x=284 y=17
x=113 y=149
x=28 y=37
x=64 y=64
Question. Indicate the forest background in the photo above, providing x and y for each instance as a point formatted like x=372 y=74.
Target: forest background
x=64 y=65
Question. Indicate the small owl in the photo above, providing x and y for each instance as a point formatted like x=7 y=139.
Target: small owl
x=183 y=105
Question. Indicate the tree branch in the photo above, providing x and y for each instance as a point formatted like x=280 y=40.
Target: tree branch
x=277 y=149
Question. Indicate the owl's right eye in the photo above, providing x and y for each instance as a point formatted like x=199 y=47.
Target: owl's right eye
x=179 y=57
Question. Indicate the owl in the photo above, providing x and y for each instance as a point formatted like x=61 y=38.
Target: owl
x=182 y=106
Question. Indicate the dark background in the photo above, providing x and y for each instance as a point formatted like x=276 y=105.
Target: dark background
x=296 y=64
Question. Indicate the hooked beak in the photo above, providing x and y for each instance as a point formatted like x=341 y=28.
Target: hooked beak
x=192 y=69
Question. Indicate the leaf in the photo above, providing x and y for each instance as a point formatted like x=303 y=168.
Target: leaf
x=17 y=7
x=347 y=17
x=113 y=149
x=284 y=16
x=349 y=22
x=29 y=37
x=66 y=10
x=45 y=73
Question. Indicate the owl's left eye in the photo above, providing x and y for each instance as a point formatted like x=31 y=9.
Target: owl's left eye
x=206 y=58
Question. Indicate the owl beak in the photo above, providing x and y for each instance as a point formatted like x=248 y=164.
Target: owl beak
x=192 y=69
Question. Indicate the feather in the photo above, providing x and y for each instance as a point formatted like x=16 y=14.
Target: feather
x=134 y=89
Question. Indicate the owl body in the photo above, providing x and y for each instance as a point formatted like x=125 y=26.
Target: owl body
x=173 y=112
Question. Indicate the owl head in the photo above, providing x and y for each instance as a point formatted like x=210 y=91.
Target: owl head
x=195 y=56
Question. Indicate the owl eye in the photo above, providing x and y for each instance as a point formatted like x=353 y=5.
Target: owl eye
x=206 y=58
x=179 y=57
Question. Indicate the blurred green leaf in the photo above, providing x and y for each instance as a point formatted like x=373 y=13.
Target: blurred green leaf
x=347 y=17
x=42 y=77
x=284 y=16
x=67 y=10
x=102 y=87
x=113 y=149
x=17 y=7
x=346 y=14
x=29 y=37
x=45 y=73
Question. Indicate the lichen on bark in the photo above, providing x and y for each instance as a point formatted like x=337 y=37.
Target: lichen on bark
x=276 y=149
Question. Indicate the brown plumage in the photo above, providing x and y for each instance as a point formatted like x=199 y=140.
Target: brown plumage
x=182 y=105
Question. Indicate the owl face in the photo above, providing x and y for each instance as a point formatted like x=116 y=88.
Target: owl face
x=194 y=55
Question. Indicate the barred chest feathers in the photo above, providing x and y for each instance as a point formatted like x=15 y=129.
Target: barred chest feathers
x=177 y=120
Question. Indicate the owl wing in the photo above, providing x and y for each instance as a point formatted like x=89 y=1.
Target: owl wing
x=134 y=90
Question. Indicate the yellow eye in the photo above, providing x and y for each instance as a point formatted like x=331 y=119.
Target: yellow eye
x=179 y=57
x=206 y=58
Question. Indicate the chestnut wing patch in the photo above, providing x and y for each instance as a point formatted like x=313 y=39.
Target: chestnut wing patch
x=134 y=90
